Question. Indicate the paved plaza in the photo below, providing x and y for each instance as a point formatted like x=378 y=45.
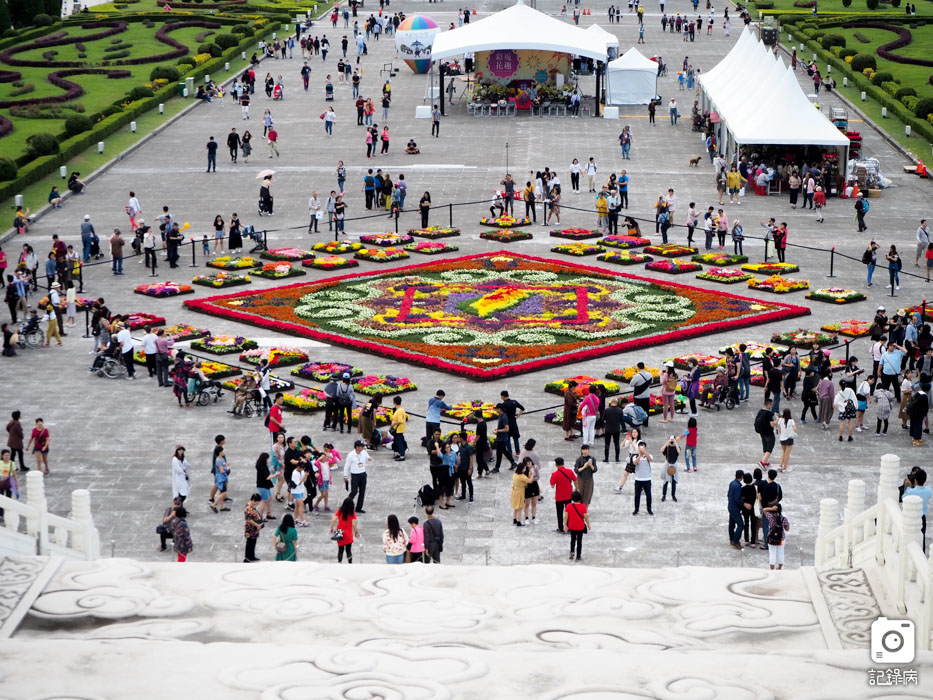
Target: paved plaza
x=116 y=438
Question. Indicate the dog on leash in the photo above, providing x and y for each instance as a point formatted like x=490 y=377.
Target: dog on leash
x=694 y=162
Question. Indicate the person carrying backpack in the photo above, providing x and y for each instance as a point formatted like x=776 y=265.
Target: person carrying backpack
x=346 y=399
x=778 y=527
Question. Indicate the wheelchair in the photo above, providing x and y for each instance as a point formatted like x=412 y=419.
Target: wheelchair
x=205 y=393
x=33 y=338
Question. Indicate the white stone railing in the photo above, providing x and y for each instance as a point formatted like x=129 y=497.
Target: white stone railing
x=29 y=528
x=886 y=536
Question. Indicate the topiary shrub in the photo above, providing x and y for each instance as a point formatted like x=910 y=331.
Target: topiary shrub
x=818 y=36
x=169 y=73
x=110 y=110
x=905 y=92
x=126 y=53
x=872 y=4
x=847 y=52
x=895 y=3
x=911 y=103
x=187 y=61
x=881 y=76
x=10 y=33
x=830 y=40
x=210 y=48
x=77 y=124
x=765 y=5
x=242 y=30
x=923 y=108
x=41 y=144
x=42 y=21
x=8 y=169
x=226 y=41
x=890 y=87
x=846 y=3
x=141 y=92
x=862 y=61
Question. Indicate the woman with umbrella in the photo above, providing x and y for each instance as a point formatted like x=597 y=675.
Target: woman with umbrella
x=265 y=192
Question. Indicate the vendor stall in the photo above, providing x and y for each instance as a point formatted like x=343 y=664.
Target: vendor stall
x=631 y=79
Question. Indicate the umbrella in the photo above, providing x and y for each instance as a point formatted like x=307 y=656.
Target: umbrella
x=263 y=174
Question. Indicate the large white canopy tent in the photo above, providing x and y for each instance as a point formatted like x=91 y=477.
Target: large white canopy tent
x=759 y=102
x=519 y=28
x=631 y=79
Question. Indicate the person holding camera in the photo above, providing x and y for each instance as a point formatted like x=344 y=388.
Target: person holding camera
x=585 y=467
x=166 y=529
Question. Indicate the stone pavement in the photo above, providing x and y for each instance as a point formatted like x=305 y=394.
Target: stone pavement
x=116 y=438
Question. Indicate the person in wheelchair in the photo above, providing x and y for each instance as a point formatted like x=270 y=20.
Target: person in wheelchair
x=716 y=391
x=246 y=388
x=112 y=350
x=32 y=323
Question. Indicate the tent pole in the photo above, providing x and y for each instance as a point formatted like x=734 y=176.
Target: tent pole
x=440 y=72
x=598 y=73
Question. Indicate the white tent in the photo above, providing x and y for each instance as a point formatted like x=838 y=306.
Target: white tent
x=519 y=28
x=631 y=79
x=612 y=41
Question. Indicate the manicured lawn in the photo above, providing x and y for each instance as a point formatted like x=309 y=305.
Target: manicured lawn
x=913 y=76
x=827 y=7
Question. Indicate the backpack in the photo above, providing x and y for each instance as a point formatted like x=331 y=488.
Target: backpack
x=762 y=423
x=866 y=257
x=776 y=531
x=343 y=397
x=671 y=383
x=426 y=496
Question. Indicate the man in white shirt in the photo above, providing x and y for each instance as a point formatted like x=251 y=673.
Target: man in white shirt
x=149 y=348
x=315 y=211
x=354 y=472
x=591 y=175
x=125 y=338
x=923 y=240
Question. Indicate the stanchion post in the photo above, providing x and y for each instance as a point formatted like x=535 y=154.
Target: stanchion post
x=847 y=350
x=396 y=225
x=87 y=323
x=152 y=263
x=832 y=260
x=450 y=210
x=194 y=252
x=767 y=241
x=923 y=311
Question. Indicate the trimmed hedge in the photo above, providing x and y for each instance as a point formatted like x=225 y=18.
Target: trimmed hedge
x=862 y=61
x=41 y=144
x=78 y=124
x=168 y=73
x=831 y=40
x=881 y=77
x=847 y=52
x=227 y=41
x=8 y=169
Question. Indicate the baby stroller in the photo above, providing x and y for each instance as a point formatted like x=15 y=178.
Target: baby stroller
x=95 y=247
x=255 y=236
x=278 y=92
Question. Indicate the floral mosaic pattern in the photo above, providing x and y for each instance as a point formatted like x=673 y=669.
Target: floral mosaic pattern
x=277 y=357
x=305 y=400
x=578 y=249
x=778 y=285
x=836 y=295
x=223 y=344
x=775 y=268
x=386 y=239
x=576 y=234
x=431 y=248
x=381 y=255
x=336 y=247
x=141 y=320
x=624 y=257
x=330 y=262
x=221 y=280
x=183 y=331
x=724 y=275
x=289 y=254
x=278 y=271
x=464 y=411
x=721 y=259
x=851 y=328
x=669 y=250
x=625 y=242
x=625 y=375
x=503 y=236
x=673 y=267
x=225 y=262
x=384 y=384
x=163 y=289
x=583 y=383
x=323 y=371
x=804 y=338
x=434 y=232
x=494 y=314
x=505 y=221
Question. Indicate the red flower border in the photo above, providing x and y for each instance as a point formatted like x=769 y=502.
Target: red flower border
x=207 y=306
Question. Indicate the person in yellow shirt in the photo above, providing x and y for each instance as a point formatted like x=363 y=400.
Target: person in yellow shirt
x=8 y=484
x=602 y=211
x=399 y=421
x=734 y=182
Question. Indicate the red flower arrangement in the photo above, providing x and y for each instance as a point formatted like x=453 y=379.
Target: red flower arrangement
x=673 y=267
x=714 y=312
x=386 y=239
x=330 y=262
x=624 y=257
x=576 y=234
x=278 y=270
x=503 y=236
x=625 y=242
x=163 y=289
x=141 y=320
x=431 y=248
x=669 y=250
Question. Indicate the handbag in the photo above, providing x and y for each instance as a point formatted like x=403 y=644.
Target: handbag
x=585 y=528
x=671 y=469
x=281 y=546
x=756 y=509
x=14 y=339
x=337 y=535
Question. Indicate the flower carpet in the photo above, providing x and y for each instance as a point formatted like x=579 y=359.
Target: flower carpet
x=494 y=314
x=777 y=284
x=183 y=331
x=373 y=384
x=836 y=295
x=276 y=384
x=624 y=257
x=330 y=262
x=434 y=232
x=804 y=338
x=626 y=374
x=323 y=371
x=755 y=351
x=225 y=262
x=306 y=400
x=583 y=382
x=381 y=255
x=505 y=236
x=218 y=370
x=464 y=411
x=724 y=275
x=771 y=268
x=141 y=320
x=289 y=254
x=578 y=249
x=705 y=362
x=163 y=289
x=505 y=221
x=221 y=279
x=278 y=271
x=721 y=259
x=669 y=250
x=431 y=248
x=575 y=234
x=625 y=241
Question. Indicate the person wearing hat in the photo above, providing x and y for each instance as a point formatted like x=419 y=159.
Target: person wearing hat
x=87 y=236
x=641 y=388
x=125 y=338
x=861 y=209
x=354 y=473
x=55 y=299
x=116 y=251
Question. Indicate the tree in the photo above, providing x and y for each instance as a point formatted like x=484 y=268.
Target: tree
x=5 y=21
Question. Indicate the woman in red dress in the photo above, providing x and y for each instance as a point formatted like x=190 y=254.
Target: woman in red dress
x=345 y=522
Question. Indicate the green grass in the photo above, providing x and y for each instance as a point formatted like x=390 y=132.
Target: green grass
x=909 y=76
x=827 y=7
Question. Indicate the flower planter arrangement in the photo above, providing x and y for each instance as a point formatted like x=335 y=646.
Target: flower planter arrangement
x=583 y=382
x=141 y=320
x=163 y=289
x=276 y=384
x=324 y=371
x=836 y=295
x=306 y=400
x=576 y=234
x=624 y=257
x=225 y=262
x=669 y=250
x=336 y=247
x=778 y=285
x=431 y=248
x=503 y=236
x=386 y=239
x=625 y=375
x=850 y=328
x=493 y=314
x=755 y=351
x=288 y=254
x=183 y=331
x=705 y=362
x=218 y=370
x=382 y=418
x=383 y=384
x=434 y=232
x=278 y=271
x=721 y=259
x=505 y=221
x=925 y=315
x=381 y=255
x=578 y=249
x=139 y=357
x=464 y=411
x=221 y=280
x=775 y=268
x=223 y=344
x=724 y=275
x=803 y=338
x=625 y=242
x=673 y=267
x=330 y=262
x=277 y=357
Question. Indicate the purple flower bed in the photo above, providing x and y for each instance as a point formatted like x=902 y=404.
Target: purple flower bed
x=72 y=90
x=6 y=126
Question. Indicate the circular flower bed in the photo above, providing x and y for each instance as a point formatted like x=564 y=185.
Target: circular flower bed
x=334 y=247
x=381 y=255
x=330 y=262
x=289 y=254
x=163 y=289
x=278 y=271
x=724 y=275
x=434 y=232
x=575 y=233
x=673 y=267
x=505 y=236
x=223 y=344
x=431 y=248
x=386 y=239
x=624 y=257
x=836 y=295
x=222 y=279
x=578 y=249
x=225 y=262
x=625 y=241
